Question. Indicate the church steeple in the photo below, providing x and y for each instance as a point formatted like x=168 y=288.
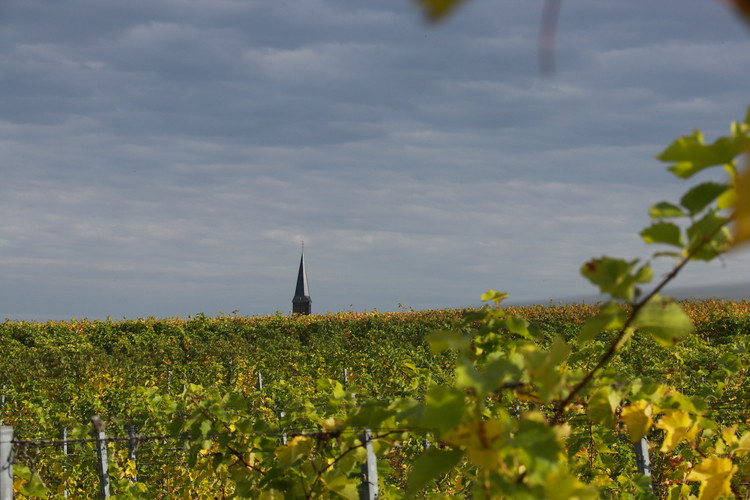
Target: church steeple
x=302 y=303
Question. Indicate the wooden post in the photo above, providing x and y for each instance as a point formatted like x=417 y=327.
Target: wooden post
x=6 y=462
x=260 y=382
x=369 y=469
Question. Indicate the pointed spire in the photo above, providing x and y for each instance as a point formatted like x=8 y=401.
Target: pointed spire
x=302 y=303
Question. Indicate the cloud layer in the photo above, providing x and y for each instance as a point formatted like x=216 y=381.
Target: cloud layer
x=167 y=157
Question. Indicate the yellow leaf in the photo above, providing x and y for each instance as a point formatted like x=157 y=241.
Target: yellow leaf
x=481 y=439
x=743 y=446
x=566 y=487
x=742 y=208
x=729 y=435
x=637 y=417
x=714 y=475
x=331 y=424
x=271 y=495
x=679 y=427
x=297 y=448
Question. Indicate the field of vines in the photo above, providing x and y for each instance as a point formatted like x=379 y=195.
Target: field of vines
x=274 y=407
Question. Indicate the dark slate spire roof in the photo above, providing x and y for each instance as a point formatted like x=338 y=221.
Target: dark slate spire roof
x=302 y=303
x=302 y=292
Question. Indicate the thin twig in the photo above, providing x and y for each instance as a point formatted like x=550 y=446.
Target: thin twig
x=637 y=306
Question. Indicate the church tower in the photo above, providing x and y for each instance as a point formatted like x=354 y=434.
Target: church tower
x=302 y=303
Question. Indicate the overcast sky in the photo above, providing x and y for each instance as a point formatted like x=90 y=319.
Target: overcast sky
x=167 y=157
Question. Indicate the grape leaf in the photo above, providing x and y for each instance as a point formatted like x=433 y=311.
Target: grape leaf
x=664 y=319
x=679 y=426
x=637 y=417
x=700 y=196
x=663 y=232
x=714 y=474
x=430 y=465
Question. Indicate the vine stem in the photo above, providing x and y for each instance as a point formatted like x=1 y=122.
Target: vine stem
x=319 y=475
x=237 y=454
x=637 y=306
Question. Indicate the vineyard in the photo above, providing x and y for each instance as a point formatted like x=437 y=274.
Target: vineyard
x=276 y=407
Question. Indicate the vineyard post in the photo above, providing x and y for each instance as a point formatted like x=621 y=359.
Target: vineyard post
x=260 y=382
x=169 y=378
x=6 y=462
x=2 y=404
x=64 y=439
x=131 y=450
x=282 y=414
x=643 y=461
x=369 y=469
x=346 y=376
x=102 y=462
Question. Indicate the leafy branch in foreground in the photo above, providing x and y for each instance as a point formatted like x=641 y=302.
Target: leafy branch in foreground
x=533 y=413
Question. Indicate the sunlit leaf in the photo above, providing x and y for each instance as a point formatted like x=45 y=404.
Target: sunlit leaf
x=637 y=417
x=743 y=446
x=494 y=296
x=690 y=154
x=714 y=474
x=482 y=440
x=679 y=426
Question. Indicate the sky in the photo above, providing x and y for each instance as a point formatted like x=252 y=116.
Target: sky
x=168 y=157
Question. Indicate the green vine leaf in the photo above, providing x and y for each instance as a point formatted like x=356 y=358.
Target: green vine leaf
x=664 y=319
x=691 y=154
x=702 y=195
x=430 y=465
x=610 y=317
x=612 y=276
x=663 y=232
x=709 y=237
x=602 y=405
x=444 y=408
x=741 y=205
x=664 y=210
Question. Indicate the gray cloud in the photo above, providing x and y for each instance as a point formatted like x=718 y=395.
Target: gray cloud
x=164 y=158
